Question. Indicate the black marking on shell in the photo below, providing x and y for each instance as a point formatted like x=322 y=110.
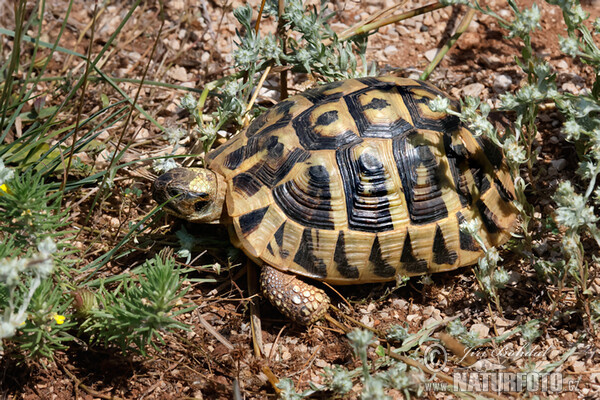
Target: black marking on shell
x=457 y=156
x=317 y=96
x=246 y=183
x=467 y=242
x=280 y=123
x=479 y=176
x=328 y=117
x=278 y=235
x=274 y=148
x=312 y=140
x=257 y=124
x=213 y=154
x=447 y=123
x=310 y=206
x=306 y=258
x=273 y=169
x=284 y=107
x=487 y=216
x=380 y=266
x=428 y=205
x=365 y=127
x=270 y=249
x=258 y=142
x=372 y=82
x=377 y=104
x=491 y=151
x=341 y=260
x=249 y=222
x=235 y=158
x=410 y=263
x=441 y=253
x=502 y=191
x=367 y=205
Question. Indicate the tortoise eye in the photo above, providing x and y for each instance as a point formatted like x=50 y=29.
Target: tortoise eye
x=200 y=204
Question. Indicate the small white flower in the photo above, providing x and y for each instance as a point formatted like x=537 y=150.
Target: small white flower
x=569 y=45
x=6 y=174
x=163 y=165
x=47 y=247
x=439 y=104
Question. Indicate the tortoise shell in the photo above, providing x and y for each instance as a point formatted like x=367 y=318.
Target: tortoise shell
x=359 y=181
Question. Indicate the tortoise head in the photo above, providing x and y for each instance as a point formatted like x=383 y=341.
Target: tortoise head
x=194 y=194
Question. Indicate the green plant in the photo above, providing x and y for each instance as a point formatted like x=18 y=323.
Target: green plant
x=135 y=314
x=33 y=237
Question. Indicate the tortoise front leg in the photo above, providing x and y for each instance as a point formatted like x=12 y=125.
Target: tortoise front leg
x=296 y=299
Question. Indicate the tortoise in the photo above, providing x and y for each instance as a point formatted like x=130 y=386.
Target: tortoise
x=356 y=181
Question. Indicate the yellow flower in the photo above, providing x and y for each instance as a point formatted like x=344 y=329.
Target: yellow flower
x=3 y=189
x=60 y=319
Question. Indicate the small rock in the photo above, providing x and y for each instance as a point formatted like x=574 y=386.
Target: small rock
x=468 y=40
x=321 y=363
x=505 y=13
x=473 y=26
x=178 y=73
x=430 y=322
x=430 y=54
x=559 y=164
x=570 y=87
x=367 y=321
x=420 y=39
x=562 y=64
x=502 y=83
x=143 y=134
x=555 y=353
x=553 y=140
x=390 y=50
x=481 y=329
x=474 y=89
x=428 y=20
x=490 y=61
x=428 y=311
x=552 y=172
x=578 y=366
x=399 y=304
x=412 y=317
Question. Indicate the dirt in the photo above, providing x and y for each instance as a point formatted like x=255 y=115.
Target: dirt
x=196 y=364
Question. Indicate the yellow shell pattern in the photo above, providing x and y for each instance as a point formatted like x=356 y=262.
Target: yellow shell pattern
x=358 y=181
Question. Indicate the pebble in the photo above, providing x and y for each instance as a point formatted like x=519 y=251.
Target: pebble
x=491 y=61
x=553 y=140
x=559 y=164
x=474 y=89
x=430 y=322
x=390 y=50
x=481 y=329
x=578 y=366
x=178 y=73
x=428 y=20
x=570 y=87
x=473 y=26
x=430 y=54
x=468 y=40
x=562 y=64
x=502 y=83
